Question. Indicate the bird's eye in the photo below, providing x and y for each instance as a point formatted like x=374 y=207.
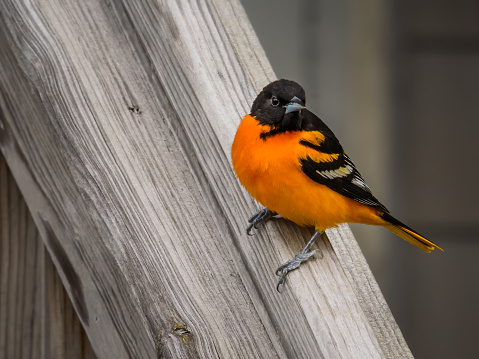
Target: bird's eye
x=274 y=101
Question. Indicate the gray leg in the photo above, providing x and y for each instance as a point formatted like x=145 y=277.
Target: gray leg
x=262 y=216
x=299 y=258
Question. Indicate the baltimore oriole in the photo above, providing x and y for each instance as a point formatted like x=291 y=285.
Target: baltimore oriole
x=293 y=164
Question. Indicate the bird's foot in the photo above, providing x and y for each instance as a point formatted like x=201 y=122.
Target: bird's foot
x=299 y=258
x=262 y=216
x=291 y=265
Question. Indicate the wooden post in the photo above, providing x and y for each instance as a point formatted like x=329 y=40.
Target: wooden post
x=116 y=120
x=37 y=319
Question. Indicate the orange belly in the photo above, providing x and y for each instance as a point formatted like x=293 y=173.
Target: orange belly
x=270 y=170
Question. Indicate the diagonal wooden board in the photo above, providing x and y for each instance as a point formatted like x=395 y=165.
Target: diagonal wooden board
x=117 y=119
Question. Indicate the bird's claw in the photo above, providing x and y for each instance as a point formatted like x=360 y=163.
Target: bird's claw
x=299 y=258
x=283 y=270
x=259 y=217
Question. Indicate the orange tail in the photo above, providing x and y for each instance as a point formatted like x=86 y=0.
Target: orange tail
x=408 y=233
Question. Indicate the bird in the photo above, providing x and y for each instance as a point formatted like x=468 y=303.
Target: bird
x=291 y=162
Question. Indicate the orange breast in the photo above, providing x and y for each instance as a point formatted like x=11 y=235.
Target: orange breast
x=270 y=170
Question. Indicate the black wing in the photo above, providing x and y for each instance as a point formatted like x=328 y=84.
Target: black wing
x=338 y=172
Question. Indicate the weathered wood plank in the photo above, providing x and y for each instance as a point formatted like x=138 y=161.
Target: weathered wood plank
x=37 y=319
x=117 y=121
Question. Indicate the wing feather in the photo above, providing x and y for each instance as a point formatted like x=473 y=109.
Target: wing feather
x=326 y=163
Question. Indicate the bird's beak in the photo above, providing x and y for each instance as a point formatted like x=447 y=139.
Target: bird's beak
x=295 y=105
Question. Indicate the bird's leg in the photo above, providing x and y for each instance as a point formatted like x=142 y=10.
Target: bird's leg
x=299 y=258
x=262 y=216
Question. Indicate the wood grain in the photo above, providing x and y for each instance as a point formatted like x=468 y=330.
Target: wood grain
x=117 y=121
x=37 y=319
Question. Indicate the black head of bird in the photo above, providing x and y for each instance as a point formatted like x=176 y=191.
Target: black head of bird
x=279 y=105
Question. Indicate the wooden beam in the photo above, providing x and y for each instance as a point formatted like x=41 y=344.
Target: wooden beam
x=117 y=121
x=37 y=319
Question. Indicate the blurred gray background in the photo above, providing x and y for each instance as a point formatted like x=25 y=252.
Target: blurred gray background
x=398 y=82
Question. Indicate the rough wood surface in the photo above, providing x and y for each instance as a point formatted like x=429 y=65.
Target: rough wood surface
x=37 y=319
x=117 y=119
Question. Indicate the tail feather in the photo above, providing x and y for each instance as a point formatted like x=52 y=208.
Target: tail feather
x=408 y=234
